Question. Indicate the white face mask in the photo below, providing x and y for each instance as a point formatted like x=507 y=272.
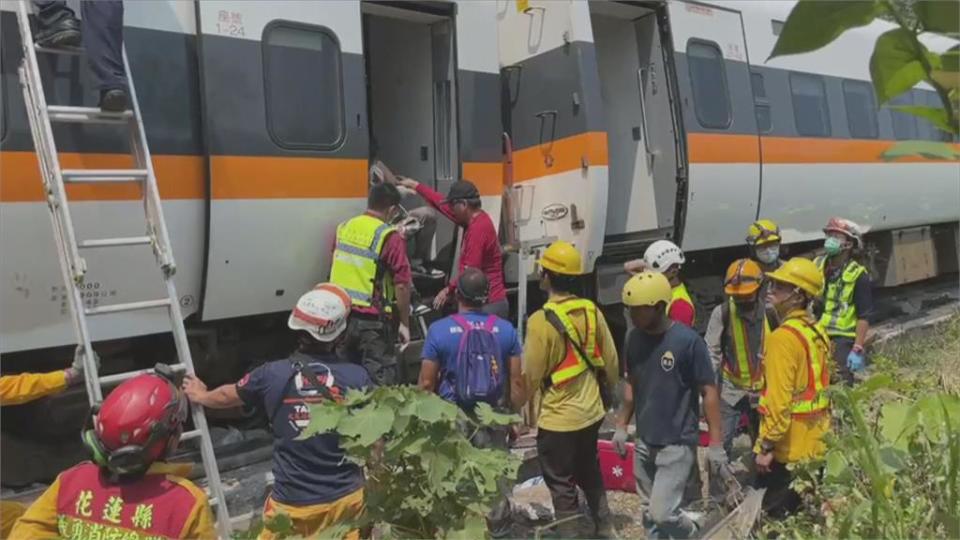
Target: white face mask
x=768 y=255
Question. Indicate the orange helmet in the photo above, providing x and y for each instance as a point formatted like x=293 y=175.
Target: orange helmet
x=743 y=278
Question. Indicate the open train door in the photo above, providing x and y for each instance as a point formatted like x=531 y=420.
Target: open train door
x=284 y=122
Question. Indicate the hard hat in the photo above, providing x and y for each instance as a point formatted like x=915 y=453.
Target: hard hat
x=763 y=231
x=802 y=273
x=646 y=289
x=663 y=254
x=322 y=312
x=743 y=278
x=846 y=227
x=561 y=257
x=140 y=422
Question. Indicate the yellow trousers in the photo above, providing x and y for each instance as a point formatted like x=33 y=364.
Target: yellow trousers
x=9 y=512
x=310 y=520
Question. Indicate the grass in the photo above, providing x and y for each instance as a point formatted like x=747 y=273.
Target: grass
x=923 y=361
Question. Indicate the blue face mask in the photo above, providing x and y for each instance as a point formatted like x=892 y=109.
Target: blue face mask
x=768 y=255
x=832 y=245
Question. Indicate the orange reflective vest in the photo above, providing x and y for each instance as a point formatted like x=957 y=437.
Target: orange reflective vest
x=573 y=363
x=744 y=366
x=816 y=346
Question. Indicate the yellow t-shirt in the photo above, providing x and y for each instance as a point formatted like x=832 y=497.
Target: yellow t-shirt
x=576 y=404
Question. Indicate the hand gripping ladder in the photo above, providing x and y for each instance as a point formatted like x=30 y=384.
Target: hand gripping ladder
x=73 y=265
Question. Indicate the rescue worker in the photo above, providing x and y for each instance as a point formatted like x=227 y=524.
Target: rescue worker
x=480 y=245
x=735 y=337
x=665 y=257
x=794 y=407
x=763 y=240
x=314 y=484
x=102 y=39
x=848 y=296
x=668 y=371
x=23 y=388
x=370 y=263
x=127 y=491
x=570 y=355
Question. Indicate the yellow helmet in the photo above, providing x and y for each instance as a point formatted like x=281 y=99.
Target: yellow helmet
x=743 y=278
x=802 y=273
x=647 y=289
x=561 y=257
x=763 y=231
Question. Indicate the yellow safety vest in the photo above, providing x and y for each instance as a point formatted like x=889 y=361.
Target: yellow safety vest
x=573 y=363
x=680 y=293
x=741 y=370
x=356 y=260
x=839 y=311
x=816 y=345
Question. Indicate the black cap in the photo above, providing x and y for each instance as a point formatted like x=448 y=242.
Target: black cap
x=462 y=190
x=472 y=286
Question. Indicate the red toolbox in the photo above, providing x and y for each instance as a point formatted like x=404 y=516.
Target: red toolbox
x=617 y=471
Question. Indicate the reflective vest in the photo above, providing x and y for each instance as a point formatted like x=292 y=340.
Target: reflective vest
x=839 y=311
x=680 y=293
x=573 y=363
x=816 y=346
x=154 y=506
x=742 y=362
x=356 y=260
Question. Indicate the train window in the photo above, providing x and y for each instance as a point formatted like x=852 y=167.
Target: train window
x=904 y=124
x=761 y=106
x=756 y=82
x=711 y=99
x=776 y=27
x=302 y=86
x=810 y=105
x=764 y=120
x=861 y=110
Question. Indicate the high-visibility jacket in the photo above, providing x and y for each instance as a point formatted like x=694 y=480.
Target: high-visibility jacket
x=743 y=351
x=82 y=504
x=24 y=387
x=839 y=311
x=816 y=346
x=356 y=260
x=573 y=363
x=680 y=292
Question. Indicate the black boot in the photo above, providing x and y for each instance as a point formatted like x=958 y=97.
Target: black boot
x=57 y=28
x=113 y=100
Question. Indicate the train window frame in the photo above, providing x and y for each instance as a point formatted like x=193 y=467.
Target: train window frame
x=875 y=132
x=822 y=84
x=268 y=92
x=697 y=108
x=761 y=102
x=904 y=99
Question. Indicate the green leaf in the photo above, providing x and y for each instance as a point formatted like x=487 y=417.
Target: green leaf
x=367 y=425
x=324 y=417
x=432 y=408
x=837 y=468
x=893 y=459
x=897 y=424
x=280 y=524
x=936 y=115
x=852 y=518
x=488 y=417
x=950 y=60
x=813 y=24
x=871 y=385
x=926 y=149
x=474 y=527
x=895 y=64
x=941 y=16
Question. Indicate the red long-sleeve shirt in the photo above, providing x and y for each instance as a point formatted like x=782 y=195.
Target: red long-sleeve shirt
x=480 y=247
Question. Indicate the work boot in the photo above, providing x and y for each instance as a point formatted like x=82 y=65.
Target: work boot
x=113 y=100
x=58 y=28
x=601 y=519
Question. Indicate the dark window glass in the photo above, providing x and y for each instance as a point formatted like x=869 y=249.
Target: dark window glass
x=810 y=105
x=764 y=121
x=761 y=107
x=904 y=124
x=861 y=110
x=710 y=96
x=302 y=82
x=776 y=26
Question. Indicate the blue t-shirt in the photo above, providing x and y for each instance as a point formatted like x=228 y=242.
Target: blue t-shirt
x=443 y=343
x=666 y=372
x=311 y=471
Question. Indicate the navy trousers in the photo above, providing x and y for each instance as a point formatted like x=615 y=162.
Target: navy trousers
x=102 y=31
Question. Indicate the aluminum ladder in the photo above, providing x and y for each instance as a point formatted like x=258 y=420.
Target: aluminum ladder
x=72 y=264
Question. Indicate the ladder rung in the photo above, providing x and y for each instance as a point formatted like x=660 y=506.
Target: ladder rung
x=59 y=50
x=213 y=501
x=192 y=434
x=104 y=175
x=129 y=306
x=112 y=242
x=86 y=115
x=120 y=377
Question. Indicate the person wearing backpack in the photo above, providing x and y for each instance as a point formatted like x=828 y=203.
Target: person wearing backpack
x=570 y=355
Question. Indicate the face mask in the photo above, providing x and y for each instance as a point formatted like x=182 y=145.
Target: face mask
x=768 y=255
x=832 y=245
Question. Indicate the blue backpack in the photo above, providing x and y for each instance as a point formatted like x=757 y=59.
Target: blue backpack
x=478 y=371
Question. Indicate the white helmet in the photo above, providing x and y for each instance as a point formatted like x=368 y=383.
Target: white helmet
x=663 y=254
x=322 y=312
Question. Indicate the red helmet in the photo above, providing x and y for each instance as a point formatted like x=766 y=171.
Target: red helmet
x=845 y=227
x=138 y=423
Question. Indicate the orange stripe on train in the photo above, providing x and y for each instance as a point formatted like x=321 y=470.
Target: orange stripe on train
x=727 y=148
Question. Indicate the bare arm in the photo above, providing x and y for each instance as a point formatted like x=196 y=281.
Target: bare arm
x=863 y=326
x=711 y=409
x=429 y=371
x=517 y=388
x=222 y=397
x=626 y=406
x=403 y=303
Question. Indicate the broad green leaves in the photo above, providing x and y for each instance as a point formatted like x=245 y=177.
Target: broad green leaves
x=813 y=24
x=926 y=149
x=488 y=416
x=895 y=65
